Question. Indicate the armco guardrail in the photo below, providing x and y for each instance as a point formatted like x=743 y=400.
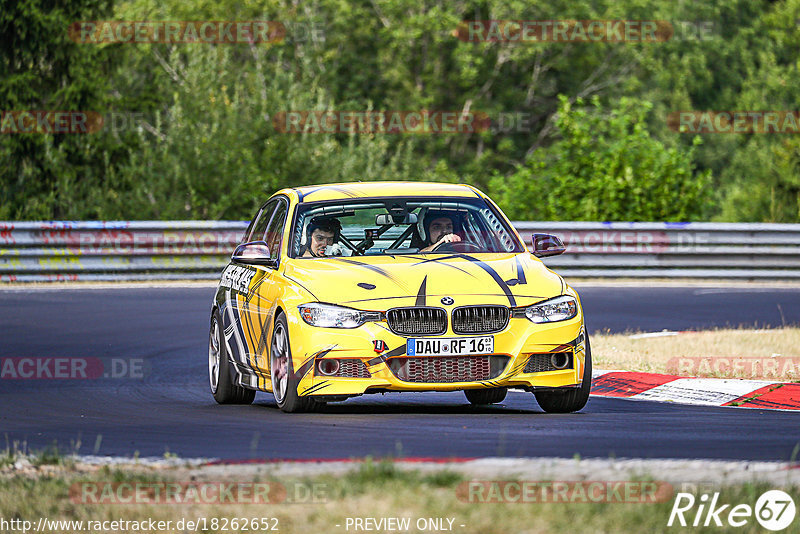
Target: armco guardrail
x=680 y=250
x=116 y=250
x=142 y=250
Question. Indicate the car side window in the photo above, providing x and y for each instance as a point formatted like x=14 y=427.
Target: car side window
x=249 y=230
x=274 y=233
x=260 y=227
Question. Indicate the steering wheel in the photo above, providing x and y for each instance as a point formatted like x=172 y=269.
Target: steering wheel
x=458 y=246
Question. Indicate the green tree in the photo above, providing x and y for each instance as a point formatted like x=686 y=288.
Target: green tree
x=215 y=152
x=42 y=175
x=206 y=148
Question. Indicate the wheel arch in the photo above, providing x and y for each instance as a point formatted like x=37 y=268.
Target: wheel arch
x=269 y=329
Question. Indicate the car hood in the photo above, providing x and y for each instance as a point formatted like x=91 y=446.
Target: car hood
x=383 y=282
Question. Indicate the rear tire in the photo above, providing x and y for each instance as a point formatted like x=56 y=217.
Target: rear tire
x=571 y=401
x=485 y=396
x=284 y=380
x=220 y=378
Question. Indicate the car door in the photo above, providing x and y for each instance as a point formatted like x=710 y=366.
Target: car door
x=264 y=303
x=249 y=308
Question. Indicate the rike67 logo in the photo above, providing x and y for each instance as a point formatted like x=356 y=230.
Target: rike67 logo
x=774 y=510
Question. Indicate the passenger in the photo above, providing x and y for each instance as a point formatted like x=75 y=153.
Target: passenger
x=320 y=234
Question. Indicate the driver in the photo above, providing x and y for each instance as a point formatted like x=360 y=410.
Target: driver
x=439 y=229
x=320 y=234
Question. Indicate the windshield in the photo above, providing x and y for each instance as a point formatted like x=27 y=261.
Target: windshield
x=395 y=226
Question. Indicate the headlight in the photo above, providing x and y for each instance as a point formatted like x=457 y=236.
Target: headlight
x=557 y=309
x=329 y=316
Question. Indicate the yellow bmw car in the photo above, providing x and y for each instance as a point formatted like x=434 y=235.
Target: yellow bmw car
x=340 y=290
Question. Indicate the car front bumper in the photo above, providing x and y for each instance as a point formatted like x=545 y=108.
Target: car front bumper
x=519 y=341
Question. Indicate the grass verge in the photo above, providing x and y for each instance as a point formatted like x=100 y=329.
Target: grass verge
x=371 y=490
x=772 y=354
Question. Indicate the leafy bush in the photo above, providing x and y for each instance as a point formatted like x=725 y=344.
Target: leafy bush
x=605 y=167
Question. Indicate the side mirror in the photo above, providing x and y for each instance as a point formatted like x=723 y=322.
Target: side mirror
x=253 y=253
x=545 y=245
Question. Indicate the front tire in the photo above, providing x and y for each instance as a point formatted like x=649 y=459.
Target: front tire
x=284 y=380
x=480 y=397
x=220 y=379
x=574 y=400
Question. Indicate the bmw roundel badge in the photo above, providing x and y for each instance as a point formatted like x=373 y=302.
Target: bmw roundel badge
x=447 y=301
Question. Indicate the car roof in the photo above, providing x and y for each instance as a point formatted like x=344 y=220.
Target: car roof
x=343 y=191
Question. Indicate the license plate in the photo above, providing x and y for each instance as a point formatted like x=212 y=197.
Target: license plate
x=454 y=346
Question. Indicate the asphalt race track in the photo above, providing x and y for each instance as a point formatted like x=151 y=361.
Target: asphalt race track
x=171 y=409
